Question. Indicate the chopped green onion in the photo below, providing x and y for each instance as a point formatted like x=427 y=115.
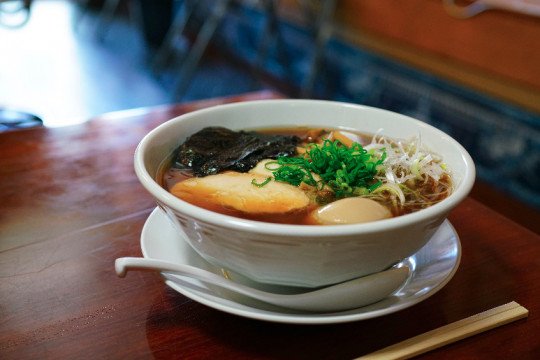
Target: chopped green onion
x=254 y=182
x=348 y=171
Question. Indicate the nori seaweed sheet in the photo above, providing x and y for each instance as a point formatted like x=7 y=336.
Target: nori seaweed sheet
x=214 y=149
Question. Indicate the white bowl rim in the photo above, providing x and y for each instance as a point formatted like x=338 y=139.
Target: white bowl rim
x=314 y=231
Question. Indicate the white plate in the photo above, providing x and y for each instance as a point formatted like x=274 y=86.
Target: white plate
x=432 y=267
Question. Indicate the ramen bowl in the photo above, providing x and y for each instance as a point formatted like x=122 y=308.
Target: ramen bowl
x=301 y=255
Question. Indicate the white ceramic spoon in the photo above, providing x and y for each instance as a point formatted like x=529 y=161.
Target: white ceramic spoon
x=343 y=296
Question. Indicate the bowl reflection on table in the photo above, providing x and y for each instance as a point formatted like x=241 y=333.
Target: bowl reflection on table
x=301 y=255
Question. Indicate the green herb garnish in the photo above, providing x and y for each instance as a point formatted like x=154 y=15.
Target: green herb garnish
x=348 y=171
x=254 y=182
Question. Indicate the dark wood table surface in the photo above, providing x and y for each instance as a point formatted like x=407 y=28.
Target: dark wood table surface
x=70 y=204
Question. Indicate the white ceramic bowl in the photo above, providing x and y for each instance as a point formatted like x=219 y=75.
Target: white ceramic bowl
x=301 y=255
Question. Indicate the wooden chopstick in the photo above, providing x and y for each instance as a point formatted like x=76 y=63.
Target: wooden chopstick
x=450 y=333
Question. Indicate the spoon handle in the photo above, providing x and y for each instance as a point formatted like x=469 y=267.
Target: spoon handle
x=123 y=265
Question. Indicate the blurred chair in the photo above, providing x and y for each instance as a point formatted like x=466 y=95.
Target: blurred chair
x=11 y=119
x=189 y=64
x=14 y=13
x=217 y=13
x=322 y=28
x=271 y=34
x=106 y=14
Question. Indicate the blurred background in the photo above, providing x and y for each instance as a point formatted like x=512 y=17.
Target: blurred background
x=470 y=68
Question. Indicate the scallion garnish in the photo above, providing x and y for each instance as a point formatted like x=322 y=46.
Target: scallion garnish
x=266 y=181
x=348 y=171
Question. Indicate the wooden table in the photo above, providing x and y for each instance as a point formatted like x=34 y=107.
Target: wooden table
x=70 y=204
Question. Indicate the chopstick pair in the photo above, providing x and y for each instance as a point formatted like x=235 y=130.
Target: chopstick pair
x=450 y=333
